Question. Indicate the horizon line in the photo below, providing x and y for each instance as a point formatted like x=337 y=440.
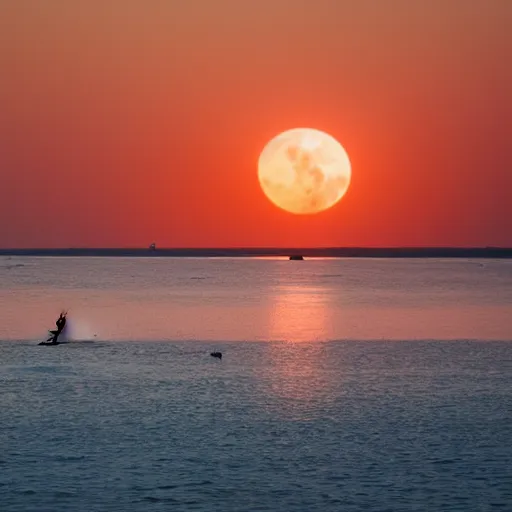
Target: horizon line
x=311 y=252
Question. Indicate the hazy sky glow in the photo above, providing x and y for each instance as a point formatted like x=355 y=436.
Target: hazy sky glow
x=124 y=122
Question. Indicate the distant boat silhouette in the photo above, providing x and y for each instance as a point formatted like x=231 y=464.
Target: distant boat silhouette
x=296 y=257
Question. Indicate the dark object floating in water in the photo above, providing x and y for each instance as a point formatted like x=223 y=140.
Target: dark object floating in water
x=54 y=335
x=218 y=355
x=296 y=257
x=152 y=247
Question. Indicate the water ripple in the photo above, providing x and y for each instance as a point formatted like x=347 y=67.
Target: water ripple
x=310 y=427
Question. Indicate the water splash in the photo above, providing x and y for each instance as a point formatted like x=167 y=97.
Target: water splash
x=78 y=329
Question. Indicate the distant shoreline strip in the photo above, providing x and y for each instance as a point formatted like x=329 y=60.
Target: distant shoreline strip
x=335 y=252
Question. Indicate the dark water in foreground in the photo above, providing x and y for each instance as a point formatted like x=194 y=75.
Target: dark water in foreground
x=351 y=426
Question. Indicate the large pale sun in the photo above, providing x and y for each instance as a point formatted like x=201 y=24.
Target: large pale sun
x=304 y=170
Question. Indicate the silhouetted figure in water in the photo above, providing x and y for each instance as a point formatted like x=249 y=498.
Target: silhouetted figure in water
x=218 y=355
x=54 y=335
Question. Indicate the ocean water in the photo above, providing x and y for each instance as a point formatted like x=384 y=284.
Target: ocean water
x=380 y=385
x=256 y=299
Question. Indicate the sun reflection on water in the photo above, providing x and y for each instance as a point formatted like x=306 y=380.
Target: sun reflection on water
x=297 y=377
x=301 y=382
x=299 y=314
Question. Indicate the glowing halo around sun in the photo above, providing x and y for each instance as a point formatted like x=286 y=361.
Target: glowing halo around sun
x=304 y=171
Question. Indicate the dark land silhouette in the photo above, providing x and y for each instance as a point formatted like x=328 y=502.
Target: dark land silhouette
x=312 y=252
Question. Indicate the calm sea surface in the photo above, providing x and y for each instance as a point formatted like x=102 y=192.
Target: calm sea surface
x=346 y=385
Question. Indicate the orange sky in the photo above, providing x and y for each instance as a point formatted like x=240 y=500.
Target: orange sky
x=124 y=122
